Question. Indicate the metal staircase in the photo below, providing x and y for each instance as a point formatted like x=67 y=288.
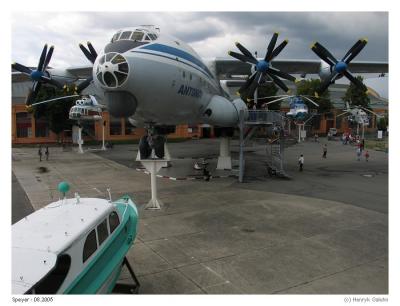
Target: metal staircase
x=274 y=123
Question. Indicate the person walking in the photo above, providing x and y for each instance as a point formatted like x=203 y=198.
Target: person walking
x=301 y=162
x=47 y=153
x=366 y=156
x=358 y=153
x=40 y=153
x=325 y=151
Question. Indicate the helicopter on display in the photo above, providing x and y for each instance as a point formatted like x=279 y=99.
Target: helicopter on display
x=358 y=114
x=85 y=109
x=298 y=109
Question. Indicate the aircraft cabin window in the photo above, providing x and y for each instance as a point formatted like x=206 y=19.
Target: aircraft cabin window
x=137 y=35
x=147 y=38
x=125 y=35
x=120 y=76
x=114 y=221
x=118 y=59
x=102 y=231
x=90 y=245
x=109 y=79
x=110 y=55
x=53 y=281
x=123 y=67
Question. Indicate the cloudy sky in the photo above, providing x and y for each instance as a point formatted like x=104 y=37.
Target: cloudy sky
x=211 y=34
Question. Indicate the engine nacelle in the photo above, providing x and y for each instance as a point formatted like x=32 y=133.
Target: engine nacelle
x=325 y=71
x=222 y=112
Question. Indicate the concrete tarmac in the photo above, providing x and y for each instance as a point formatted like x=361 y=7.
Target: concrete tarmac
x=325 y=231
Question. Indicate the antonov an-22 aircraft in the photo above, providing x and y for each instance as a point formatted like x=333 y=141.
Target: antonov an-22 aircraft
x=158 y=81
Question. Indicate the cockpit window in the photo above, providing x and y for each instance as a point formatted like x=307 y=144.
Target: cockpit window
x=125 y=35
x=153 y=36
x=137 y=35
x=115 y=37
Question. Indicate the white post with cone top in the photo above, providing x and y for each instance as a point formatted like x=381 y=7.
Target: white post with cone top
x=153 y=165
x=80 y=140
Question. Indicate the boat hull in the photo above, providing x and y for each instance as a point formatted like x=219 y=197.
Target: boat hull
x=103 y=271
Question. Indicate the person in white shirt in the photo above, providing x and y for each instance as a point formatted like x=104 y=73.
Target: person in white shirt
x=301 y=162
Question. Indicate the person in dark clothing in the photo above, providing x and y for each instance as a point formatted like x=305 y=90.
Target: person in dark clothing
x=325 y=151
x=40 y=153
x=47 y=153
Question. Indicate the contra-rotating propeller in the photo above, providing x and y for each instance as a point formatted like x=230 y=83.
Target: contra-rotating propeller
x=91 y=55
x=39 y=75
x=263 y=68
x=339 y=68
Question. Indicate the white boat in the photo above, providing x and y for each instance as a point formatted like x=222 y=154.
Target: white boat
x=75 y=245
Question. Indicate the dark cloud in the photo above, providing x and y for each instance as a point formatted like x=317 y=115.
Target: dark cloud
x=212 y=34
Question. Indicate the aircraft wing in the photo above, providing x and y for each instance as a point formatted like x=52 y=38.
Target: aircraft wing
x=68 y=75
x=229 y=66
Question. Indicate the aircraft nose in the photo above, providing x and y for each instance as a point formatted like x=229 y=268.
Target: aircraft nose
x=112 y=70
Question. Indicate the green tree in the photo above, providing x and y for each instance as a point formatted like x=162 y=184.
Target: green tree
x=264 y=92
x=309 y=88
x=356 y=95
x=383 y=123
x=57 y=112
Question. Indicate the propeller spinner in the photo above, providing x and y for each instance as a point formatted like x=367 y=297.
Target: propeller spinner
x=263 y=68
x=339 y=68
x=39 y=75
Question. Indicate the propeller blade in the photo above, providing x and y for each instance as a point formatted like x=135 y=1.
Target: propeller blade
x=357 y=49
x=342 y=114
x=308 y=99
x=21 y=68
x=33 y=93
x=325 y=84
x=84 y=84
x=244 y=51
x=281 y=74
x=279 y=82
x=92 y=50
x=88 y=55
x=277 y=100
x=55 y=99
x=253 y=86
x=243 y=58
x=51 y=81
x=247 y=84
x=324 y=54
x=354 y=80
x=48 y=58
x=370 y=111
x=278 y=49
x=271 y=47
x=42 y=58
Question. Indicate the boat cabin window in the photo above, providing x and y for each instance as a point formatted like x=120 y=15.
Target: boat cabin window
x=102 y=231
x=90 y=245
x=114 y=221
x=53 y=281
x=125 y=35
